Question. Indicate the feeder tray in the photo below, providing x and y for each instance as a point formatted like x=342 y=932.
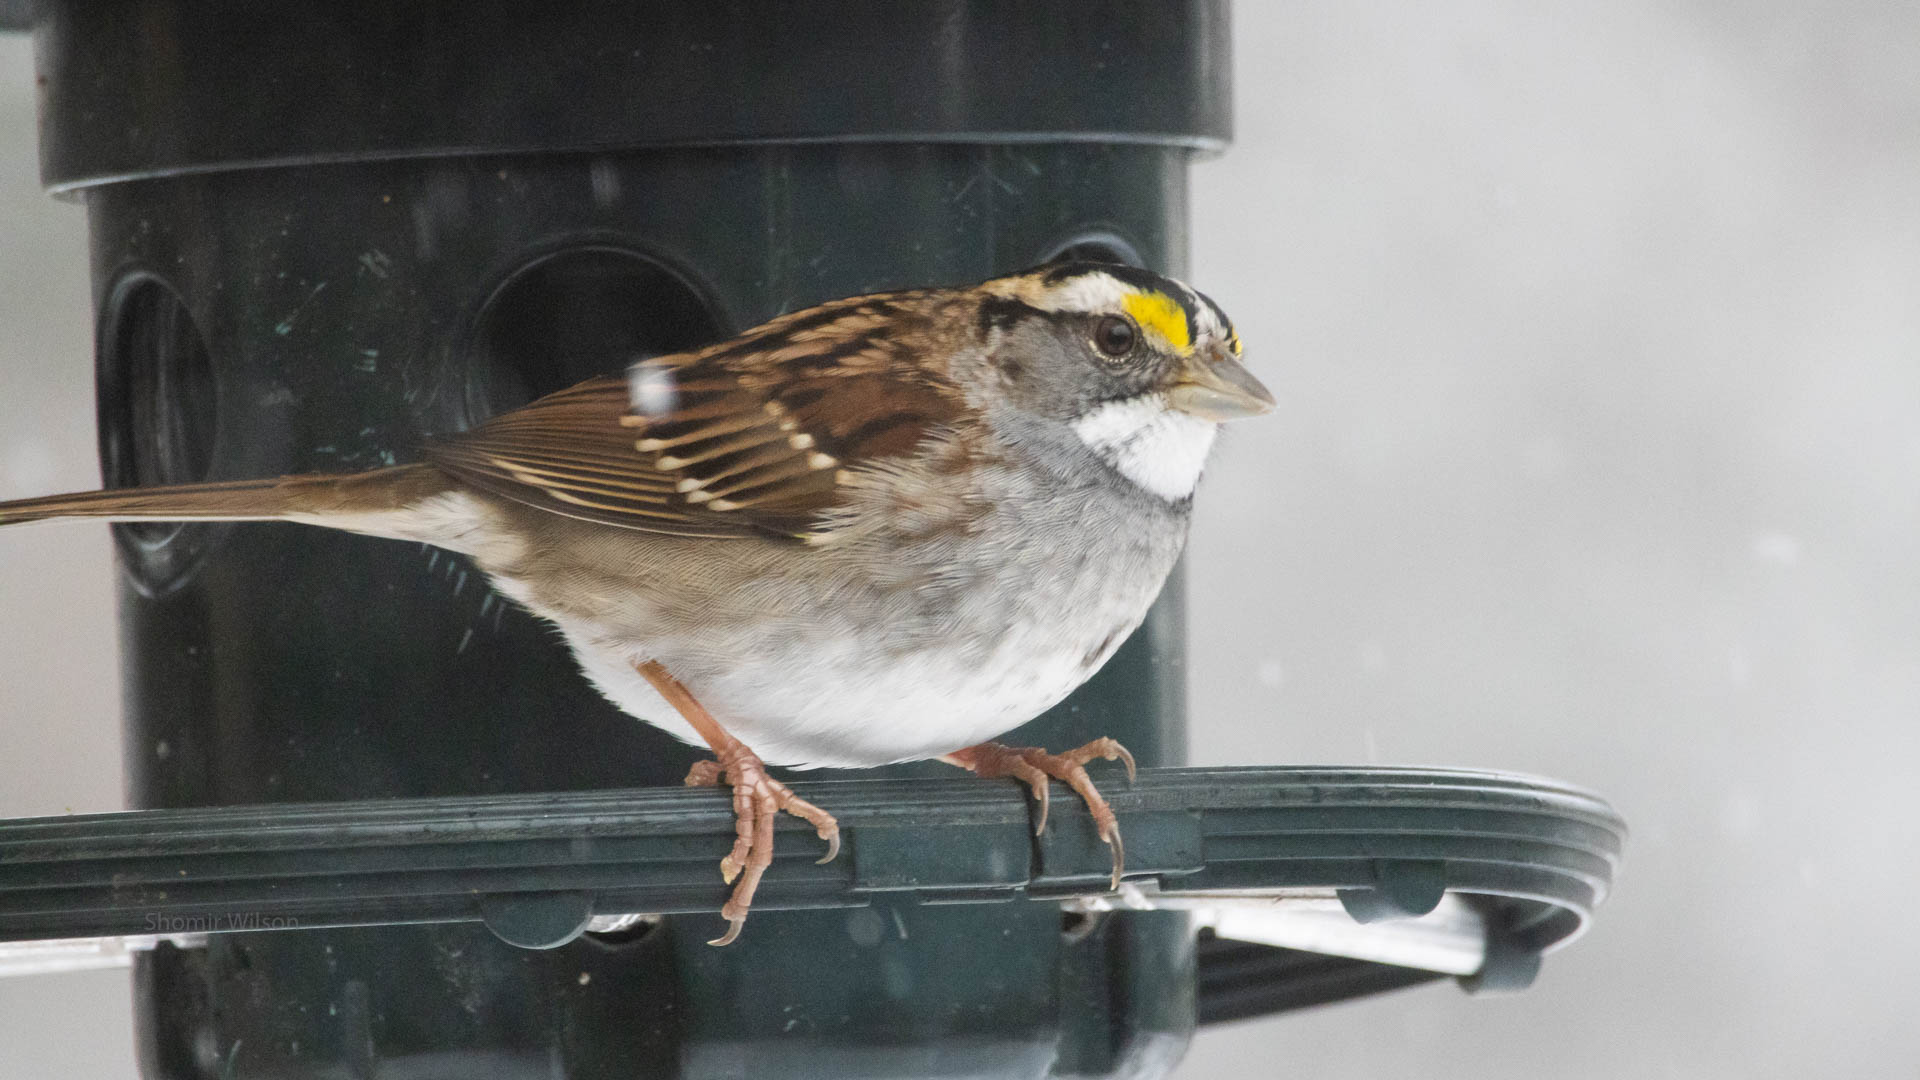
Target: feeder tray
x=1427 y=873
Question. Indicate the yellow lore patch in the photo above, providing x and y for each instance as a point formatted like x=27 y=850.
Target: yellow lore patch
x=1160 y=314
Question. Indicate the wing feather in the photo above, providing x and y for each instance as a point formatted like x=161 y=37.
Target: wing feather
x=754 y=438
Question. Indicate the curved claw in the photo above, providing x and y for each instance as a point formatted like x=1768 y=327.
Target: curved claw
x=832 y=837
x=1119 y=859
x=1042 y=794
x=733 y=931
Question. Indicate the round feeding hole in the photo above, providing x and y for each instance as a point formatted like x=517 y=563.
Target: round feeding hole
x=157 y=414
x=575 y=314
x=1097 y=247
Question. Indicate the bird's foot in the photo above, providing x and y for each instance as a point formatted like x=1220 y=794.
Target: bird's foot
x=1033 y=766
x=757 y=797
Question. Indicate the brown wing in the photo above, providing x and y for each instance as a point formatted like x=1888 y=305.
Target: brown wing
x=748 y=437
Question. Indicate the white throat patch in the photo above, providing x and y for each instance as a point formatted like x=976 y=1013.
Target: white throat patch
x=1157 y=447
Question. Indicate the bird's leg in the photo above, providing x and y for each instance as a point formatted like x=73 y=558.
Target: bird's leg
x=757 y=797
x=1032 y=766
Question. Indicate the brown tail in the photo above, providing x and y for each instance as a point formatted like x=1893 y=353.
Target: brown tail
x=374 y=502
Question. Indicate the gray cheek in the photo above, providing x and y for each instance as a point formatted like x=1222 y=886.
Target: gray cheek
x=1044 y=373
x=1011 y=368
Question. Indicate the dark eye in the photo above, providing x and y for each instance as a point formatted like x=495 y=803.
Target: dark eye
x=1114 y=336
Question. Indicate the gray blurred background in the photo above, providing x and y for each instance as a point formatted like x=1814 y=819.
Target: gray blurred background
x=1596 y=331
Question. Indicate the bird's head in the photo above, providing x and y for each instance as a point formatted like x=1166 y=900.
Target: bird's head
x=1139 y=367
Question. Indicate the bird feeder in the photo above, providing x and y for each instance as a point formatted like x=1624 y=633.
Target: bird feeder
x=381 y=825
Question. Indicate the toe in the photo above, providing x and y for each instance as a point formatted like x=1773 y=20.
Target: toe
x=1038 y=783
x=824 y=825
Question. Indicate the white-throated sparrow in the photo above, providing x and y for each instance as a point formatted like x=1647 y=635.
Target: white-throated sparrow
x=883 y=529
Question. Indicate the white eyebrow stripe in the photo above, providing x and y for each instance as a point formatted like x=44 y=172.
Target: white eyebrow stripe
x=1093 y=291
x=1206 y=313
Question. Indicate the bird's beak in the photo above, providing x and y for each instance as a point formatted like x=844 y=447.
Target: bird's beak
x=1212 y=385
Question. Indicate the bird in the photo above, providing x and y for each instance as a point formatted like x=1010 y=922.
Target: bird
x=888 y=528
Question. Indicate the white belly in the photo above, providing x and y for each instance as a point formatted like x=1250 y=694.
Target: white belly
x=833 y=707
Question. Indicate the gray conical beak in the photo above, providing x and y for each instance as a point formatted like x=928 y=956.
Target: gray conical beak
x=1214 y=386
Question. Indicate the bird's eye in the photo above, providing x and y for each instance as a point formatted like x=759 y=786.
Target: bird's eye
x=1114 y=336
